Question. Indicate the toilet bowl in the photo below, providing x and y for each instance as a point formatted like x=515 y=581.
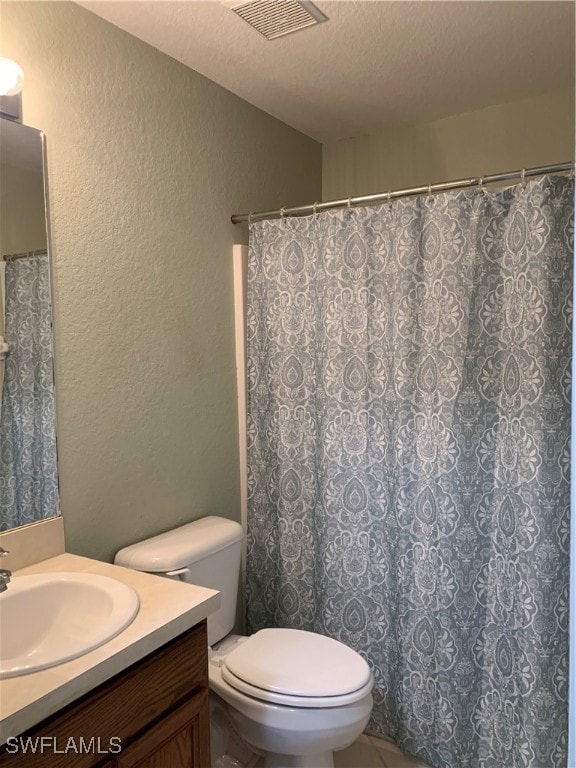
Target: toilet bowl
x=301 y=713
x=293 y=696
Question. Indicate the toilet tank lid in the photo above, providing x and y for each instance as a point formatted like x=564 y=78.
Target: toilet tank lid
x=181 y=546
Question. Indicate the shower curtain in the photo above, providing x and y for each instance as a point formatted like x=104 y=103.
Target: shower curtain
x=408 y=451
x=28 y=471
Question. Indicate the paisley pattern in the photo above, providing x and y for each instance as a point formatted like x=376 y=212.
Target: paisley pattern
x=408 y=441
x=28 y=471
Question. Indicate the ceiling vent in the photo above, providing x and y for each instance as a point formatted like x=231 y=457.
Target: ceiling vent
x=275 y=18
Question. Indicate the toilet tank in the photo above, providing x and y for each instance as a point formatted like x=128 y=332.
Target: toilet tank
x=206 y=552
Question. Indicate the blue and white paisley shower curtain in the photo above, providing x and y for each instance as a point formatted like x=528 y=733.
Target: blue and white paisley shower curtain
x=408 y=443
x=28 y=469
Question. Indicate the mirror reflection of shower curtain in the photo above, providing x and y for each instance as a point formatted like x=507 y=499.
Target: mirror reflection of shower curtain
x=28 y=469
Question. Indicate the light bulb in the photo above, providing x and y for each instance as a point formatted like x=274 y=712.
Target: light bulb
x=11 y=77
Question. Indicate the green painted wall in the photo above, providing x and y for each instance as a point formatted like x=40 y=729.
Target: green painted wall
x=146 y=162
x=505 y=137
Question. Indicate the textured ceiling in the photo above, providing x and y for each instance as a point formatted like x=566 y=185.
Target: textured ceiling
x=375 y=64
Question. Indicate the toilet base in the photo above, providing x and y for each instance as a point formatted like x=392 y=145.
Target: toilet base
x=319 y=760
x=229 y=750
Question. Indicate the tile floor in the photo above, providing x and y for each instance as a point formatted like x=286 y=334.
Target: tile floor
x=370 y=752
x=366 y=752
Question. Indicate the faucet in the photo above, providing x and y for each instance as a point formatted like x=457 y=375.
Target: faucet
x=4 y=573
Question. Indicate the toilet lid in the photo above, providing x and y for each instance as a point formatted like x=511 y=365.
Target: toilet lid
x=296 y=663
x=324 y=702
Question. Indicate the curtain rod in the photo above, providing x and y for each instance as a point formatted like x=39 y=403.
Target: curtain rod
x=25 y=255
x=384 y=197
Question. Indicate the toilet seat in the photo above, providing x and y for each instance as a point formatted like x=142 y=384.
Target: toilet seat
x=299 y=702
x=297 y=668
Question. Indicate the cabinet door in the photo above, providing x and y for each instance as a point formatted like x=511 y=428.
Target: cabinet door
x=181 y=739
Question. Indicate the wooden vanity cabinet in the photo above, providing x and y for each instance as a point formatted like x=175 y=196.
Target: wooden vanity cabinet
x=157 y=709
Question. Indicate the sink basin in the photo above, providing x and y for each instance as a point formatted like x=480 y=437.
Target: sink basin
x=49 y=618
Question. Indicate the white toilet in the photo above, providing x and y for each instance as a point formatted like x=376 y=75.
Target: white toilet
x=294 y=696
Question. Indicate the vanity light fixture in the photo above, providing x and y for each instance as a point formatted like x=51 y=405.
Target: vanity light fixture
x=11 y=81
x=11 y=77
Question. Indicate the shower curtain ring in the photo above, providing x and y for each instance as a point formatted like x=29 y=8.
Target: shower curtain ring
x=429 y=190
x=349 y=204
x=481 y=181
x=314 y=207
x=523 y=178
x=389 y=200
x=282 y=212
x=250 y=218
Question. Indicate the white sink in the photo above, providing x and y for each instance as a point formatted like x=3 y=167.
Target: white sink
x=49 y=618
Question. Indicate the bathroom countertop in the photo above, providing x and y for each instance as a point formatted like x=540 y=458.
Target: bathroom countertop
x=167 y=609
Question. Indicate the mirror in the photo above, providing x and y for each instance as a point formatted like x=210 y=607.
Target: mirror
x=28 y=460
